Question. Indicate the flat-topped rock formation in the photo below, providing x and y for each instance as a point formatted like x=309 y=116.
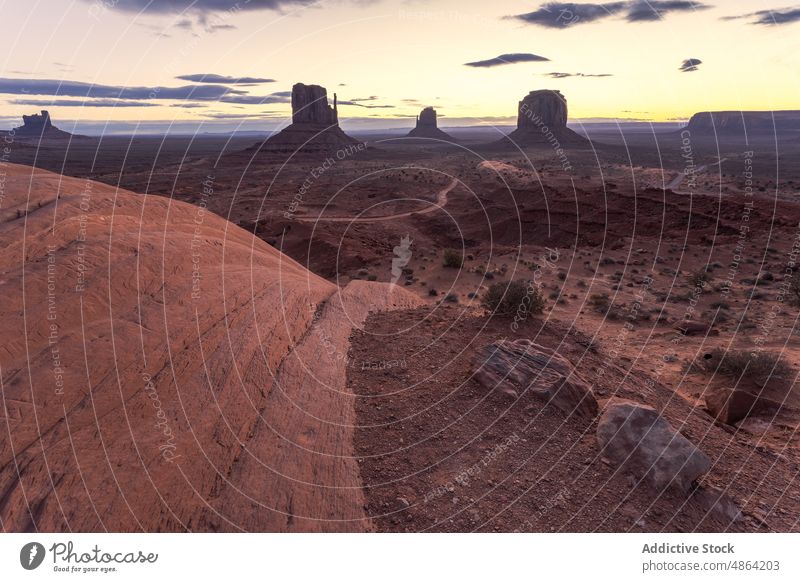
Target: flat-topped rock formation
x=542 y=119
x=427 y=126
x=315 y=124
x=742 y=122
x=39 y=125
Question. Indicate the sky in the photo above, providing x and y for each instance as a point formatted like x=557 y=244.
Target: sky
x=220 y=65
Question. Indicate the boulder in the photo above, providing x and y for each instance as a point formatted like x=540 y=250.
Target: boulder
x=692 y=328
x=522 y=367
x=730 y=405
x=641 y=441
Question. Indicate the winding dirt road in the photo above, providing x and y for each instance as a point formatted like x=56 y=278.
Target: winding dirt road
x=441 y=201
x=678 y=180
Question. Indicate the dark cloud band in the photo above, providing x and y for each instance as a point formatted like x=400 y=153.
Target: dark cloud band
x=566 y=14
x=508 y=59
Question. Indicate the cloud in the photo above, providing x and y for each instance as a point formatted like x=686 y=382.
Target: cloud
x=255 y=99
x=222 y=79
x=192 y=93
x=356 y=103
x=565 y=14
x=770 y=17
x=216 y=115
x=212 y=28
x=91 y=91
x=690 y=65
x=87 y=103
x=508 y=59
x=649 y=10
x=200 y=6
x=561 y=14
x=566 y=75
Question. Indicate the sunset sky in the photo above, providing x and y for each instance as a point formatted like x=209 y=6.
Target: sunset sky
x=654 y=60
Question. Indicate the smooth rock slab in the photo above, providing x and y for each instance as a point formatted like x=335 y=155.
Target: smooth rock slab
x=642 y=442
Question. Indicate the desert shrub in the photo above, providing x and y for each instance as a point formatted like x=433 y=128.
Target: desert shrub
x=507 y=298
x=372 y=278
x=562 y=276
x=720 y=305
x=793 y=291
x=758 y=367
x=453 y=259
x=601 y=302
x=451 y=298
x=699 y=278
x=432 y=292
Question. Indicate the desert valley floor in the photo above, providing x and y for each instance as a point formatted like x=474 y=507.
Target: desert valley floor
x=204 y=335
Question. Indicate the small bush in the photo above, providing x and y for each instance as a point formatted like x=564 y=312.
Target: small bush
x=508 y=298
x=451 y=298
x=453 y=259
x=758 y=367
x=432 y=292
x=699 y=278
x=372 y=278
x=793 y=292
x=601 y=302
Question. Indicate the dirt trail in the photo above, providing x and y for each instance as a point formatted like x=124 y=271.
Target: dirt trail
x=300 y=463
x=441 y=201
x=678 y=180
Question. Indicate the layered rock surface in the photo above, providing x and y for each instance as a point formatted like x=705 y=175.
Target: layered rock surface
x=164 y=370
x=520 y=368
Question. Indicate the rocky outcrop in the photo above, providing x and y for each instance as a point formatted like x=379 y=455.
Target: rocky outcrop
x=729 y=405
x=146 y=391
x=39 y=125
x=542 y=108
x=427 y=126
x=310 y=106
x=642 y=443
x=744 y=122
x=519 y=368
x=315 y=126
x=542 y=120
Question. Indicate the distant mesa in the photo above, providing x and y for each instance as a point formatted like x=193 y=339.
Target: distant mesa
x=744 y=122
x=39 y=125
x=427 y=126
x=542 y=119
x=315 y=125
